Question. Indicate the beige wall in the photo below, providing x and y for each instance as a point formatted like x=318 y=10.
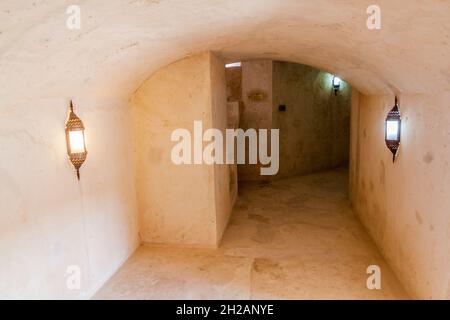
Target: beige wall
x=405 y=205
x=233 y=115
x=48 y=219
x=234 y=83
x=224 y=194
x=256 y=77
x=180 y=204
x=314 y=129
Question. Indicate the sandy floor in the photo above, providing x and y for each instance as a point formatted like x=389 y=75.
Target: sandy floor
x=292 y=239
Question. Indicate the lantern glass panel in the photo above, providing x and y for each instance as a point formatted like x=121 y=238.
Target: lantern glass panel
x=392 y=130
x=76 y=139
x=336 y=82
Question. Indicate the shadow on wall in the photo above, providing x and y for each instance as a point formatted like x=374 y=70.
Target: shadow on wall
x=299 y=100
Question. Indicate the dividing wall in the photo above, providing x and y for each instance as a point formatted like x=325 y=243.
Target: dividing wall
x=185 y=204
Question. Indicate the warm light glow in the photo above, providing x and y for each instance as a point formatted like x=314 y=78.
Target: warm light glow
x=336 y=82
x=76 y=139
x=392 y=130
x=233 y=65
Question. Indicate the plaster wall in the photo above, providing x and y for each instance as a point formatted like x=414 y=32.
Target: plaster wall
x=119 y=45
x=180 y=204
x=48 y=219
x=234 y=83
x=314 y=129
x=233 y=115
x=224 y=175
x=405 y=205
x=256 y=114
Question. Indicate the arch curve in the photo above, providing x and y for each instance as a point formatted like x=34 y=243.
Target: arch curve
x=114 y=52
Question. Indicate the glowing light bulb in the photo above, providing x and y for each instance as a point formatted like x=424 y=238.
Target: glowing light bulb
x=76 y=139
x=391 y=130
x=336 y=81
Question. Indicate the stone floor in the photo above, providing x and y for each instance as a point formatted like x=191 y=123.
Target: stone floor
x=295 y=238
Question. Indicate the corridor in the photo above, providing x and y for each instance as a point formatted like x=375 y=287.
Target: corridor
x=295 y=238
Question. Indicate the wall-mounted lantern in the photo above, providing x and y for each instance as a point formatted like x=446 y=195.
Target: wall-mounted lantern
x=393 y=129
x=336 y=84
x=76 y=144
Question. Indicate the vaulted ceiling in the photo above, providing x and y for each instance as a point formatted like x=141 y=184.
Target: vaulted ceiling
x=121 y=43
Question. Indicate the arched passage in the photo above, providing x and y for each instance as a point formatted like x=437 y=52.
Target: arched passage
x=404 y=206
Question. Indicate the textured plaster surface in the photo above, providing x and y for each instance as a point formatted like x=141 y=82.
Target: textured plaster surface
x=121 y=44
x=233 y=115
x=225 y=180
x=256 y=113
x=234 y=83
x=315 y=128
x=171 y=209
x=48 y=219
x=305 y=245
x=405 y=205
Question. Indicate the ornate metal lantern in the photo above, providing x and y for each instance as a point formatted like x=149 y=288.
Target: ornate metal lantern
x=76 y=144
x=393 y=129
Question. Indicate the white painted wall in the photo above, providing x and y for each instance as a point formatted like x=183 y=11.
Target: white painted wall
x=180 y=204
x=405 y=205
x=225 y=195
x=50 y=220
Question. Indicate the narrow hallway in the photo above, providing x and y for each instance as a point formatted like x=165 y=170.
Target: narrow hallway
x=295 y=238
